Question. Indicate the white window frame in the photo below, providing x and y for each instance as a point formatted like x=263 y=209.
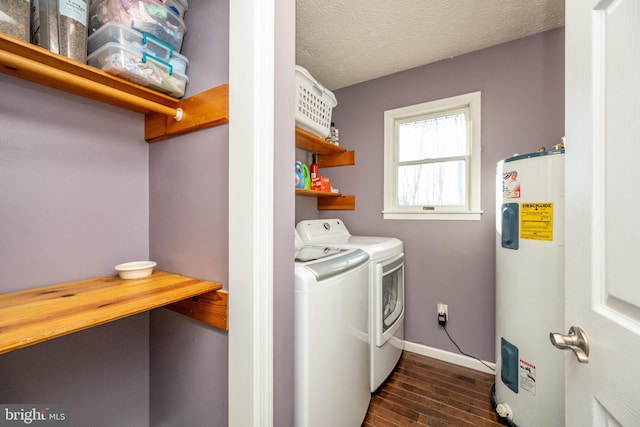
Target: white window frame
x=470 y=212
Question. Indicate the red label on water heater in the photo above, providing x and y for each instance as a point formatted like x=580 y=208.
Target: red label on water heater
x=527 y=376
x=510 y=185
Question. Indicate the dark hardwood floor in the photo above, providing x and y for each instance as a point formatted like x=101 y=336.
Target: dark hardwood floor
x=427 y=392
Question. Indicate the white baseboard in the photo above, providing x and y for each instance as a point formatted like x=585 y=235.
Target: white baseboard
x=447 y=356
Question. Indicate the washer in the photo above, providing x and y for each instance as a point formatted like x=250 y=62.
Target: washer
x=331 y=359
x=386 y=284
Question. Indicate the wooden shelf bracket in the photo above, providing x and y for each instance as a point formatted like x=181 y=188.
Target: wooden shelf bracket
x=211 y=308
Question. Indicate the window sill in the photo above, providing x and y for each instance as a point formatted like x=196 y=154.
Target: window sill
x=435 y=215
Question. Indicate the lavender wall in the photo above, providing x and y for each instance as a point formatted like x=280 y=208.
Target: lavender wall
x=74 y=191
x=188 y=235
x=522 y=84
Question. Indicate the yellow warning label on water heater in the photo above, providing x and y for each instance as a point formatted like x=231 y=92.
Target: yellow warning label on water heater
x=536 y=221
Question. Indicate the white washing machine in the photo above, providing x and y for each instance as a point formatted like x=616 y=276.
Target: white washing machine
x=386 y=283
x=331 y=359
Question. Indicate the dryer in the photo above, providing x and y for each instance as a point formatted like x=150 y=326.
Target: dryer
x=386 y=284
x=331 y=351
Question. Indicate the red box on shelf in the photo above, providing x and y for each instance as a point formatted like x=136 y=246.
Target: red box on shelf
x=321 y=183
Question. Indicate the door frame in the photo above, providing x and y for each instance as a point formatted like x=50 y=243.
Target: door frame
x=251 y=211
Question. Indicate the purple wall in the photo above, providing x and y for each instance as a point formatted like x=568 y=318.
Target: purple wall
x=74 y=191
x=522 y=84
x=188 y=235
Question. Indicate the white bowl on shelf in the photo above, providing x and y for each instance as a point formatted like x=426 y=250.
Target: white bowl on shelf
x=135 y=269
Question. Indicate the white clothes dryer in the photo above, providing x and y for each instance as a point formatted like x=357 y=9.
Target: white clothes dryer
x=386 y=282
x=331 y=351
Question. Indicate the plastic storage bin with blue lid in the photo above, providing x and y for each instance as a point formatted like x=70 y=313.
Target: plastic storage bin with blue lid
x=146 y=16
x=140 y=68
x=116 y=32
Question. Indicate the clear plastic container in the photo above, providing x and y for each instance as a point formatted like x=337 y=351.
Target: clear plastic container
x=44 y=24
x=146 y=16
x=178 y=6
x=140 y=68
x=15 y=18
x=115 y=32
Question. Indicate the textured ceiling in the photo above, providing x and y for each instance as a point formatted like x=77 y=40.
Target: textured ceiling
x=344 y=42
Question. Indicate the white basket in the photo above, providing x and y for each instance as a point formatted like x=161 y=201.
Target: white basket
x=313 y=104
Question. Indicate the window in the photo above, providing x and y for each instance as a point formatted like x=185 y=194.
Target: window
x=432 y=160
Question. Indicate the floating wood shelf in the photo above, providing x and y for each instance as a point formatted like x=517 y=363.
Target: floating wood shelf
x=309 y=142
x=313 y=193
x=36 y=315
x=33 y=63
x=329 y=155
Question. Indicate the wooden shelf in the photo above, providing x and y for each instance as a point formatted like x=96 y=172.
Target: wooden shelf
x=36 y=315
x=310 y=142
x=313 y=193
x=329 y=201
x=329 y=155
x=33 y=63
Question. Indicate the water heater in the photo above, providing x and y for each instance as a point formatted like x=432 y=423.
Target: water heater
x=529 y=384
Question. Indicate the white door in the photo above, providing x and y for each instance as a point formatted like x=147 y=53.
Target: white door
x=603 y=210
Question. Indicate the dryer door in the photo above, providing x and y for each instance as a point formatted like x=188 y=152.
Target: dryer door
x=389 y=292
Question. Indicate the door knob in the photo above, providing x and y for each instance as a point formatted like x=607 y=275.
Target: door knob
x=576 y=341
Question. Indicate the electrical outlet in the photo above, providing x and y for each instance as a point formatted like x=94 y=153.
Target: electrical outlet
x=443 y=313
